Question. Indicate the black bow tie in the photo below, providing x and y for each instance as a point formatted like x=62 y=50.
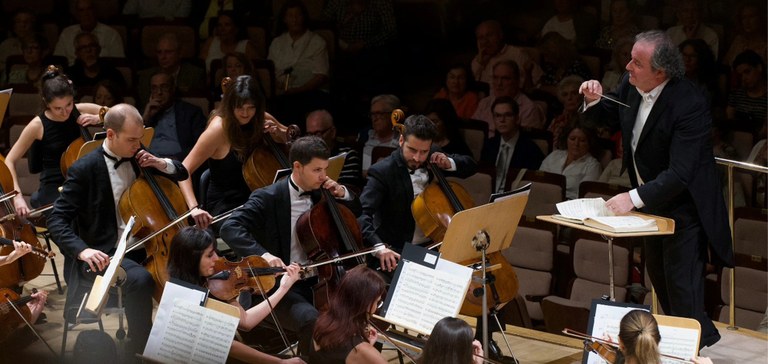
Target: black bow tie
x=314 y=195
x=118 y=162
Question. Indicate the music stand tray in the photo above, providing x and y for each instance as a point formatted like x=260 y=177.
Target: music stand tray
x=666 y=227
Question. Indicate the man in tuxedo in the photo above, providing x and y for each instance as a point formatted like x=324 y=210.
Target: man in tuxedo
x=266 y=226
x=395 y=181
x=85 y=222
x=510 y=148
x=667 y=149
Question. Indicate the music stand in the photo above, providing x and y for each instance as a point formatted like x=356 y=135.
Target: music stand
x=666 y=227
x=498 y=220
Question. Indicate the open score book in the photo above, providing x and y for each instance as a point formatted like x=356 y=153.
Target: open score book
x=592 y=212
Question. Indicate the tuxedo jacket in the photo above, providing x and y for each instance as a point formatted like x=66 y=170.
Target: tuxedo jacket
x=263 y=224
x=387 y=197
x=526 y=154
x=84 y=214
x=674 y=159
x=190 y=123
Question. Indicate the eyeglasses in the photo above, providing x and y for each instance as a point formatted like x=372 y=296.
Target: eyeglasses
x=384 y=114
x=319 y=132
x=92 y=46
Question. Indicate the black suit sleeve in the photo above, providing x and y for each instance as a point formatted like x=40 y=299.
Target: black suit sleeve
x=65 y=209
x=465 y=166
x=374 y=195
x=236 y=230
x=180 y=173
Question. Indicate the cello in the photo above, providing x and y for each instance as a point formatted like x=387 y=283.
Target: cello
x=18 y=228
x=260 y=168
x=73 y=150
x=155 y=202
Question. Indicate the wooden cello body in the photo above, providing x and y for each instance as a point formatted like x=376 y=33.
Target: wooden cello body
x=29 y=266
x=156 y=202
x=265 y=160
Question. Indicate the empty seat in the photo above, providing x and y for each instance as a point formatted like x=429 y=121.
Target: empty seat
x=751 y=296
x=474 y=132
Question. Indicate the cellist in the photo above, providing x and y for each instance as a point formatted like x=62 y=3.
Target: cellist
x=85 y=222
x=266 y=226
x=395 y=181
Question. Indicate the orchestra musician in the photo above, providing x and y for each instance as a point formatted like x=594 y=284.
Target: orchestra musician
x=451 y=342
x=85 y=221
x=48 y=135
x=192 y=258
x=639 y=339
x=395 y=181
x=266 y=226
x=20 y=249
x=342 y=334
x=236 y=128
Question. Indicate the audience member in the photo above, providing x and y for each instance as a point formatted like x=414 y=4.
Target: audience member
x=188 y=77
x=689 y=26
x=178 y=124
x=108 y=93
x=381 y=134
x=109 y=38
x=491 y=49
x=210 y=9
x=506 y=77
x=301 y=65
x=229 y=36
x=166 y=9
x=23 y=28
x=320 y=124
x=620 y=56
x=448 y=138
x=750 y=33
x=576 y=162
x=569 y=97
x=451 y=342
x=342 y=333
x=457 y=89
x=510 y=148
x=614 y=172
x=574 y=24
x=558 y=60
x=34 y=51
x=747 y=104
x=704 y=71
x=621 y=25
x=89 y=68
x=233 y=64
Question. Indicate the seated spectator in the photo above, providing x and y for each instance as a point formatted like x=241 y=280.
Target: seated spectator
x=510 y=148
x=451 y=342
x=256 y=10
x=109 y=38
x=301 y=65
x=750 y=33
x=506 y=77
x=448 y=138
x=746 y=107
x=178 y=124
x=167 y=9
x=575 y=25
x=621 y=25
x=229 y=36
x=24 y=27
x=689 y=26
x=320 y=124
x=613 y=172
x=89 y=68
x=189 y=78
x=558 y=60
x=620 y=56
x=576 y=162
x=234 y=64
x=568 y=95
x=703 y=70
x=34 y=51
x=381 y=133
x=108 y=93
x=491 y=49
x=457 y=90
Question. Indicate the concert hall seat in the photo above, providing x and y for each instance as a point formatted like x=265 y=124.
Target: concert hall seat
x=751 y=296
x=478 y=185
x=749 y=232
x=593 y=189
x=474 y=132
x=590 y=263
x=547 y=190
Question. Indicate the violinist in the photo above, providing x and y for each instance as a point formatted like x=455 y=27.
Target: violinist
x=48 y=135
x=21 y=335
x=342 y=334
x=192 y=258
x=395 y=181
x=86 y=224
x=266 y=226
x=236 y=127
x=20 y=248
x=451 y=342
x=639 y=339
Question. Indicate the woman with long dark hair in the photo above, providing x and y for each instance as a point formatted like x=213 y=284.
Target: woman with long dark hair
x=452 y=342
x=342 y=334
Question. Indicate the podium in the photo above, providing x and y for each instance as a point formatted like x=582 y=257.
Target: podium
x=666 y=227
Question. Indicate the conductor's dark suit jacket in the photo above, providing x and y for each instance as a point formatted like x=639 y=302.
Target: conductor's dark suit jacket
x=674 y=159
x=387 y=197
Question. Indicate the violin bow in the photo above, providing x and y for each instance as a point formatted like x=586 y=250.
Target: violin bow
x=34 y=290
x=272 y=314
x=32 y=213
x=391 y=341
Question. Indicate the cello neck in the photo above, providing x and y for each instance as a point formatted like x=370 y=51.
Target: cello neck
x=276 y=151
x=338 y=220
x=446 y=188
x=149 y=175
x=85 y=133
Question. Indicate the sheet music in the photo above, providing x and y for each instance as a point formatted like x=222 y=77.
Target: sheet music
x=100 y=289
x=677 y=341
x=606 y=326
x=583 y=207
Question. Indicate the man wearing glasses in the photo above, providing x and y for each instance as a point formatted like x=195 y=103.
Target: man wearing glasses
x=381 y=133
x=109 y=38
x=320 y=124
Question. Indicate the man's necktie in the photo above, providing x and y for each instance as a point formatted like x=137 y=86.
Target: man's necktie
x=501 y=167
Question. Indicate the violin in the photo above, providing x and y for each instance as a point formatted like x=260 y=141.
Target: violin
x=9 y=319
x=35 y=250
x=250 y=273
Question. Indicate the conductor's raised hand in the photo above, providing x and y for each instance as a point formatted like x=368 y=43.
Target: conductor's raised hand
x=146 y=159
x=592 y=90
